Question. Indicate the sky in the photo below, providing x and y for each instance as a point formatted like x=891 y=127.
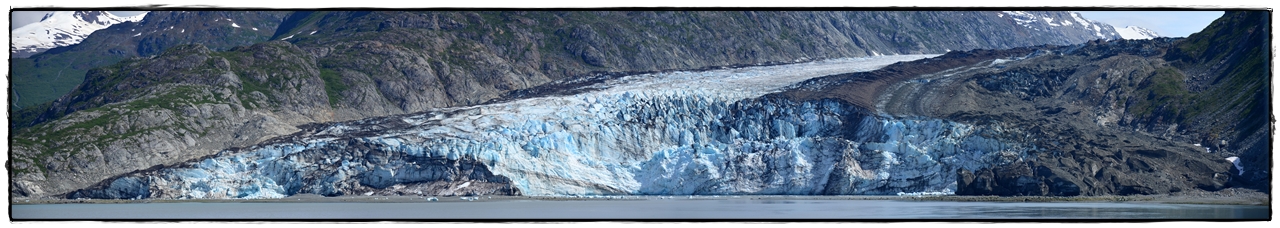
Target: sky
x=1166 y=23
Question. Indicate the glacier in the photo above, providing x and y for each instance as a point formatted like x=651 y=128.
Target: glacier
x=674 y=133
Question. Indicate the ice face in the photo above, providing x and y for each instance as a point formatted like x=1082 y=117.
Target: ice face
x=677 y=133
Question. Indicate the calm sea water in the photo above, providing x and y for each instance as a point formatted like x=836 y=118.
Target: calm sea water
x=643 y=209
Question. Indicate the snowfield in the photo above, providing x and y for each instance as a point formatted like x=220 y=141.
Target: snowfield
x=1137 y=33
x=62 y=28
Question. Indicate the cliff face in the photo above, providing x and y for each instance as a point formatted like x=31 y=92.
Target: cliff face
x=192 y=100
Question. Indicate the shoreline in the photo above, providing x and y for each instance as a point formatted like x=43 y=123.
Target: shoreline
x=1208 y=198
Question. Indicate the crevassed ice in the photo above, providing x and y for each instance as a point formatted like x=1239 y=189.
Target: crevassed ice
x=665 y=134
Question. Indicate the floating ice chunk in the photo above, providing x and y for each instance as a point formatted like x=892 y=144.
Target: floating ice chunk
x=933 y=193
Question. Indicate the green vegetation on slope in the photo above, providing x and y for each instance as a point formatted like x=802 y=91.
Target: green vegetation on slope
x=35 y=82
x=333 y=85
x=106 y=124
x=1232 y=51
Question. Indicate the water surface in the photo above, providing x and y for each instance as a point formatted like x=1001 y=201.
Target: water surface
x=644 y=209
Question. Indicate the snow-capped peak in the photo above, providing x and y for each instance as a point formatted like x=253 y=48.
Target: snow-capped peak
x=1049 y=20
x=1136 y=33
x=62 y=28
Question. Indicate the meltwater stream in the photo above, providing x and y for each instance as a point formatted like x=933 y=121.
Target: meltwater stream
x=678 y=133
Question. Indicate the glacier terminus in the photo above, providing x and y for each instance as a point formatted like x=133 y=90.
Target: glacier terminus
x=710 y=132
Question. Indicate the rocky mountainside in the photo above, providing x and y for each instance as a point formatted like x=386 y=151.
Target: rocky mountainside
x=470 y=57
x=1109 y=117
x=60 y=29
x=812 y=34
x=44 y=77
x=191 y=101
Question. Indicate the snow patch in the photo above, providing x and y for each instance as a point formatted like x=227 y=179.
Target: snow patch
x=1049 y=20
x=1081 y=20
x=1236 y=161
x=999 y=61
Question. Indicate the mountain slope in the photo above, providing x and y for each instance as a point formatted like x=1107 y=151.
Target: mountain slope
x=44 y=77
x=471 y=57
x=1225 y=100
x=1120 y=117
x=336 y=66
x=60 y=29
